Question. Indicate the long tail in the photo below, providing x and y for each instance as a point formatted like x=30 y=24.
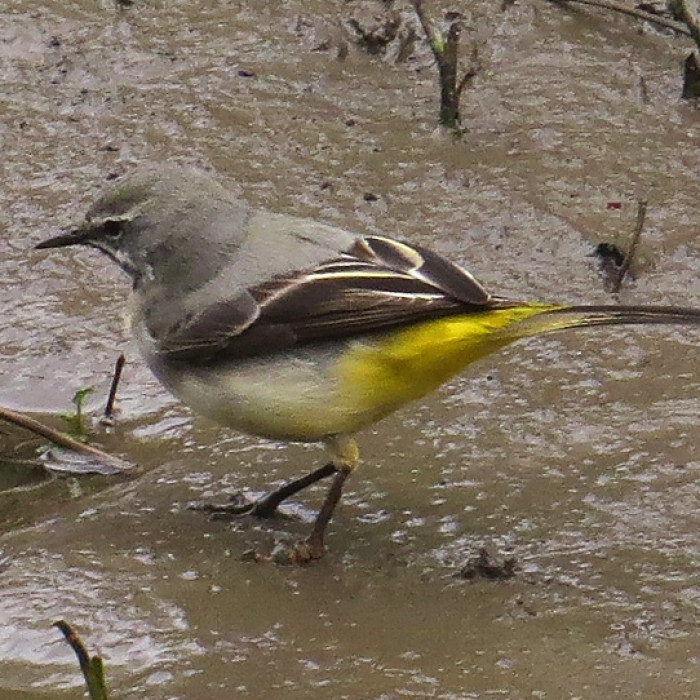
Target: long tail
x=562 y=317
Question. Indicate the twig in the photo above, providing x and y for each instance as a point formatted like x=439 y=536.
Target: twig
x=446 y=52
x=428 y=29
x=60 y=439
x=109 y=408
x=467 y=79
x=681 y=10
x=639 y=14
x=624 y=268
x=92 y=667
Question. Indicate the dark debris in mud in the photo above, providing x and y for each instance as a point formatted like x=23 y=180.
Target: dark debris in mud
x=486 y=567
x=691 y=77
x=610 y=258
x=380 y=30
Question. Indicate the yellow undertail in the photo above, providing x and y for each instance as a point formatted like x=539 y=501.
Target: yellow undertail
x=380 y=374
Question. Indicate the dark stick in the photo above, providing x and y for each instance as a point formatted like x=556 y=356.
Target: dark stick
x=447 y=68
x=446 y=53
x=624 y=268
x=60 y=439
x=92 y=667
x=118 y=367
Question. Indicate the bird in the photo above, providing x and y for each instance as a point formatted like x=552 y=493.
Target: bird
x=297 y=331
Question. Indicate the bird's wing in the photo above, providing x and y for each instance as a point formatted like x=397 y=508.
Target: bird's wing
x=375 y=285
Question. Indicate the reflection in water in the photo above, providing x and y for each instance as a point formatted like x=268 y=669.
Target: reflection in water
x=141 y=632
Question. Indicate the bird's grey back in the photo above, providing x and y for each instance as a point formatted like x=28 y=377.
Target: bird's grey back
x=202 y=245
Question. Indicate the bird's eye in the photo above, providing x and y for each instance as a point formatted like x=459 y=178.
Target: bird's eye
x=112 y=228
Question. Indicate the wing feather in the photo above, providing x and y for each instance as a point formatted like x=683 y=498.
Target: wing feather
x=376 y=285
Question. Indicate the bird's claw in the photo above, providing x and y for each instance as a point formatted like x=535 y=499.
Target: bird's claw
x=297 y=554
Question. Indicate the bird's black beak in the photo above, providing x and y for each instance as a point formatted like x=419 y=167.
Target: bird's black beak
x=75 y=237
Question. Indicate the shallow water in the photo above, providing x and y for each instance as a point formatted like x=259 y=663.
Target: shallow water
x=576 y=454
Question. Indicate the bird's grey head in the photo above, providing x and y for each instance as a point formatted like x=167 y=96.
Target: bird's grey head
x=171 y=225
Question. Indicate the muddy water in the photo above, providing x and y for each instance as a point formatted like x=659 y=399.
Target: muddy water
x=578 y=455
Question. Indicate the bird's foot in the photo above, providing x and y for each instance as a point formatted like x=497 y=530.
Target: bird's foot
x=237 y=507
x=297 y=554
x=310 y=549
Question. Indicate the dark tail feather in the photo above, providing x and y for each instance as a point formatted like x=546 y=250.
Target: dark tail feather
x=559 y=318
x=611 y=315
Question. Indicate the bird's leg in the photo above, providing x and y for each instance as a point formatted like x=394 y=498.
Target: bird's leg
x=266 y=507
x=314 y=542
x=345 y=458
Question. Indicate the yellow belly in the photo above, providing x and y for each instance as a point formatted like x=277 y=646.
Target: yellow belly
x=316 y=391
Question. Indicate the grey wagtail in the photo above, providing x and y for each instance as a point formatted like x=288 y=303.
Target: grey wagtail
x=292 y=330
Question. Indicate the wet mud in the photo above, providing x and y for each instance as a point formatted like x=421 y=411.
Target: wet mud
x=575 y=456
